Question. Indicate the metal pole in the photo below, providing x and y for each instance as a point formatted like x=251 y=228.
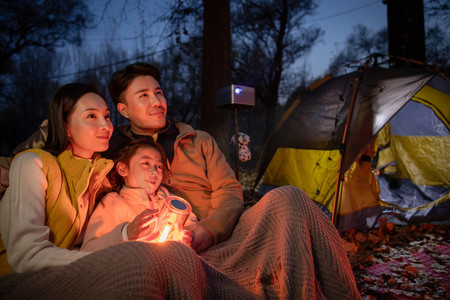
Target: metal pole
x=236 y=141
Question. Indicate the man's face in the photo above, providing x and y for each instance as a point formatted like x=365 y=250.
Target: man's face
x=144 y=105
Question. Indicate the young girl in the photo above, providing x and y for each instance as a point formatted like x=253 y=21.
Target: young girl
x=128 y=215
x=52 y=192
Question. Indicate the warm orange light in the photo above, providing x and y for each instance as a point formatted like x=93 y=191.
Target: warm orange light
x=168 y=227
x=164 y=234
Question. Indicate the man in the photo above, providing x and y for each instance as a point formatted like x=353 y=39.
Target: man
x=200 y=172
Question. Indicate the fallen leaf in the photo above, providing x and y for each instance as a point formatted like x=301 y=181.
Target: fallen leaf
x=428 y=227
x=412 y=270
x=350 y=247
x=390 y=226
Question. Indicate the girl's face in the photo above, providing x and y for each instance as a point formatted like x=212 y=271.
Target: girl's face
x=145 y=170
x=88 y=126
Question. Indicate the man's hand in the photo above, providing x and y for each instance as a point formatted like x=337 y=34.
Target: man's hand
x=4 y=180
x=201 y=238
x=185 y=236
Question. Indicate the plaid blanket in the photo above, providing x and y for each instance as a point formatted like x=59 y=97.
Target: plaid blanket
x=284 y=247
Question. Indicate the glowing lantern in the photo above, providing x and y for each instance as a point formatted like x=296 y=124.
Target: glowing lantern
x=172 y=217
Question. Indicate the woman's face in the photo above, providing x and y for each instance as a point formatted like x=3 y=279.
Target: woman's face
x=89 y=126
x=145 y=170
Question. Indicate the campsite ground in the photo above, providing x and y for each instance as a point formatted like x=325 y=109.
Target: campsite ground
x=392 y=262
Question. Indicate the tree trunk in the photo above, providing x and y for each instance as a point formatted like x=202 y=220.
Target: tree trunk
x=276 y=71
x=406 y=31
x=216 y=70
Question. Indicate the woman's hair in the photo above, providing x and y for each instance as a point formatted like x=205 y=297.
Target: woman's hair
x=121 y=79
x=60 y=107
x=126 y=153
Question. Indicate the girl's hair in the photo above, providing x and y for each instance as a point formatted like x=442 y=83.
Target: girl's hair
x=126 y=153
x=59 y=109
x=121 y=79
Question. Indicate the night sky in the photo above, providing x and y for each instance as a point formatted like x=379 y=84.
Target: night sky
x=335 y=17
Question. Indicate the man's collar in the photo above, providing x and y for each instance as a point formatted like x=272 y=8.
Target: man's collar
x=168 y=122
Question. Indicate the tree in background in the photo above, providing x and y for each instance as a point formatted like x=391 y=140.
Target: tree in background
x=439 y=12
x=29 y=31
x=96 y=67
x=181 y=63
x=181 y=81
x=199 y=65
x=26 y=97
x=437 y=33
x=39 y=24
x=362 y=41
x=437 y=47
x=216 y=69
x=268 y=37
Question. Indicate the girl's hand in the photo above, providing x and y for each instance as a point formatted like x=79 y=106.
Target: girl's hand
x=141 y=223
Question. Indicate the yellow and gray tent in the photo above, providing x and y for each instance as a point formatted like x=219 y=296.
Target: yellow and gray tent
x=367 y=144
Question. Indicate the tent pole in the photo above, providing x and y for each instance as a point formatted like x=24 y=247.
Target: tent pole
x=340 y=175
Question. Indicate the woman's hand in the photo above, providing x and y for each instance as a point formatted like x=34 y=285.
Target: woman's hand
x=141 y=223
x=201 y=238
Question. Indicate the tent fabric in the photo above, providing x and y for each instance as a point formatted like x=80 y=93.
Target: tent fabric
x=360 y=198
x=436 y=100
x=415 y=162
x=419 y=190
x=381 y=94
x=426 y=121
x=322 y=113
x=386 y=163
x=300 y=151
x=360 y=184
x=313 y=171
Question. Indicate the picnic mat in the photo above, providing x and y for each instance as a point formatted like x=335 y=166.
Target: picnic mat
x=411 y=276
x=283 y=247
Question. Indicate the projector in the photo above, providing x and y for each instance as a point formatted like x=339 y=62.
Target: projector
x=236 y=95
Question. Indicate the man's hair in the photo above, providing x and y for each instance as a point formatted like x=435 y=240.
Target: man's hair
x=121 y=79
x=60 y=108
x=126 y=153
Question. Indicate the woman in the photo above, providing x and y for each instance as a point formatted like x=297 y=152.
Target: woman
x=52 y=192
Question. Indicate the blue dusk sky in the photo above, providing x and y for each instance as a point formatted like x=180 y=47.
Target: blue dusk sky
x=336 y=17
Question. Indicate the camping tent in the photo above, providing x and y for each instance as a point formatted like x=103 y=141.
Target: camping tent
x=331 y=138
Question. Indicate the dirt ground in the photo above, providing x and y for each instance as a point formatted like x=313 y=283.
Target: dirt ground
x=392 y=262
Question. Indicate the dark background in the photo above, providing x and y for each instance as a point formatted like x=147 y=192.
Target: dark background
x=211 y=44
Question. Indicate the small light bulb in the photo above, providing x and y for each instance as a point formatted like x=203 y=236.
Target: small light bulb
x=238 y=90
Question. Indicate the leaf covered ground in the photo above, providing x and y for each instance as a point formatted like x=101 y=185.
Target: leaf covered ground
x=392 y=261
x=401 y=262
